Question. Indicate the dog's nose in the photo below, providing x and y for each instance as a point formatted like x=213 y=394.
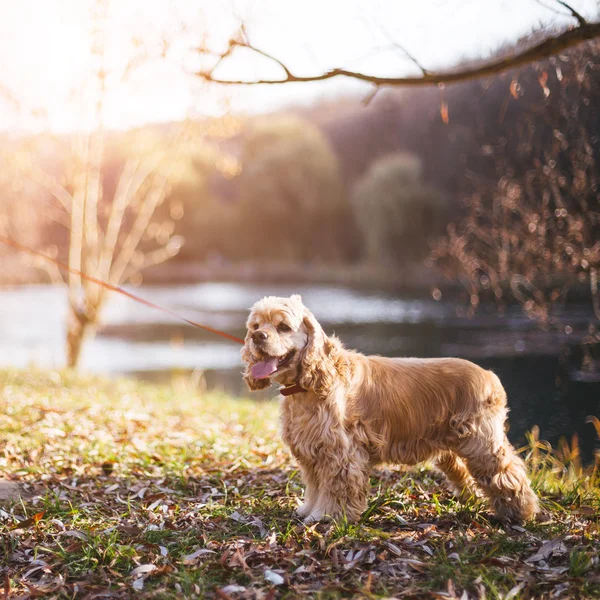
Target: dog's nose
x=259 y=336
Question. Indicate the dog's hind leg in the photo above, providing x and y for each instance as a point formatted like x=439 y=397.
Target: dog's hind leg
x=495 y=466
x=459 y=479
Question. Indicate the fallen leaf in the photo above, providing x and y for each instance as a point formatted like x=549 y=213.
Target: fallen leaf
x=75 y=533
x=233 y=588
x=274 y=578
x=587 y=511
x=417 y=565
x=397 y=551
x=547 y=549
x=74 y=547
x=142 y=569
x=33 y=520
x=514 y=591
x=190 y=559
x=129 y=530
x=155 y=504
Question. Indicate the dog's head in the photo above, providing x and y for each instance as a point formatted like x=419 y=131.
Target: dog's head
x=283 y=338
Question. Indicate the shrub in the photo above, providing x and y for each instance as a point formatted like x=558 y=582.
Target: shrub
x=395 y=211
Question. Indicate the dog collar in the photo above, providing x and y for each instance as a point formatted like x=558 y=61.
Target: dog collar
x=295 y=388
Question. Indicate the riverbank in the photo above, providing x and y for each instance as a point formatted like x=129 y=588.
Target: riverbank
x=414 y=280
x=18 y=270
x=155 y=491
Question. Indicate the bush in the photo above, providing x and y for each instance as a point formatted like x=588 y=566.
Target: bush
x=395 y=211
x=292 y=201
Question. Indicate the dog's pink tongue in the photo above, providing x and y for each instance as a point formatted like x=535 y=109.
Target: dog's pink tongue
x=264 y=368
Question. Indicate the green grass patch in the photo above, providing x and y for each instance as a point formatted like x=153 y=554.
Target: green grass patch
x=155 y=491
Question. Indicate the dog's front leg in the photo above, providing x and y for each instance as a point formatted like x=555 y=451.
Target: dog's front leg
x=342 y=483
x=311 y=492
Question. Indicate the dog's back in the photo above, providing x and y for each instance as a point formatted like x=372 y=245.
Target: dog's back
x=419 y=405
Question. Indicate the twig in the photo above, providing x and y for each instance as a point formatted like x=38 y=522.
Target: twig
x=371 y=96
x=573 y=12
x=408 y=55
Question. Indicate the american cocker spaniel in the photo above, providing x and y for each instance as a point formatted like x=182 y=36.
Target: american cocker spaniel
x=343 y=412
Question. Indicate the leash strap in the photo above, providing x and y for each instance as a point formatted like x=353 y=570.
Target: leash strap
x=119 y=290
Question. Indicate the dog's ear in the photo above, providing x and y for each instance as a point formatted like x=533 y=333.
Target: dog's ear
x=316 y=335
x=317 y=370
x=252 y=383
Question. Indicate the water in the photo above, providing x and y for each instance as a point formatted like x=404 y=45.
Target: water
x=139 y=341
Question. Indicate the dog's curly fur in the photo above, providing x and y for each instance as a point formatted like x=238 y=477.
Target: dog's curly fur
x=358 y=411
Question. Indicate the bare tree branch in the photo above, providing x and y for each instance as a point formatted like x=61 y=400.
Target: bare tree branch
x=41 y=178
x=406 y=53
x=548 y=47
x=246 y=42
x=371 y=95
x=573 y=12
x=125 y=192
x=412 y=58
x=151 y=200
x=54 y=273
x=553 y=9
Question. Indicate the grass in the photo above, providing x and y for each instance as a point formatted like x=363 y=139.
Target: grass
x=157 y=492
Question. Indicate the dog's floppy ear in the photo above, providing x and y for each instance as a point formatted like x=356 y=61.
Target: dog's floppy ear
x=317 y=370
x=252 y=383
x=316 y=335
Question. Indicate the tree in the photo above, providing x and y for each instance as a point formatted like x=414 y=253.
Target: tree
x=395 y=211
x=530 y=229
x=105 y=193
x=292 y=202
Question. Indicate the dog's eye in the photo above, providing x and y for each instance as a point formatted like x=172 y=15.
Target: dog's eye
x=255 y=326
x=282 y=327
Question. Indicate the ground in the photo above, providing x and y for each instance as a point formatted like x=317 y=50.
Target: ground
x=163 y=492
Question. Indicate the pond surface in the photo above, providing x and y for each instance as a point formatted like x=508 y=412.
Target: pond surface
x=543 y=388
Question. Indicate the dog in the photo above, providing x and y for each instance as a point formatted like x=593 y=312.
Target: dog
x=343 y=412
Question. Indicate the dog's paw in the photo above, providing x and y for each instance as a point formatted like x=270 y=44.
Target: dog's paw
x=303 y=510
x=316 y=516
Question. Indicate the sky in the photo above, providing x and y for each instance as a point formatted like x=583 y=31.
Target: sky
x=51 y=52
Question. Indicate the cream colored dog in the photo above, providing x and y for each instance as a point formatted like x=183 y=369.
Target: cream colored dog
x=343 y=412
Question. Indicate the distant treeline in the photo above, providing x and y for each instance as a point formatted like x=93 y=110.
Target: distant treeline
x=347 y=182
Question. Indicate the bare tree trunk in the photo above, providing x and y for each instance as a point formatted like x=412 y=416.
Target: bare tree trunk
x=79 y=327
